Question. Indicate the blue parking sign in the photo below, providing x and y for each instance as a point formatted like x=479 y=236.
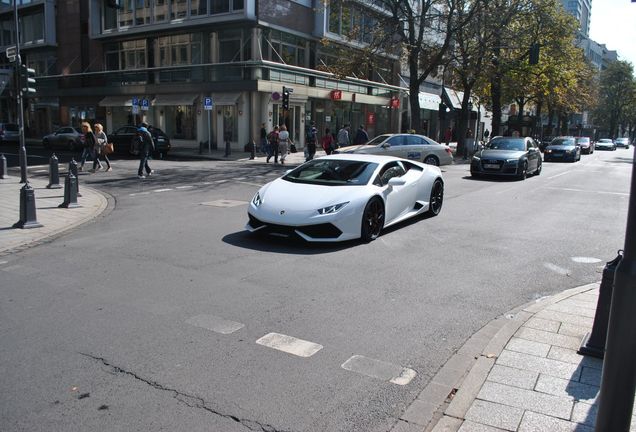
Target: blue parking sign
x=207 y=103
x=145 y=104
x=135 y=101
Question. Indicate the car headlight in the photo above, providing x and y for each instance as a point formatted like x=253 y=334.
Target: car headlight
x=257 y=200
x=548 y=151
x=512 y=161
x=332 y=209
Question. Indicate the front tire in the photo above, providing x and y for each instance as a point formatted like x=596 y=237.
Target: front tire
x=437 y=198
x=539 y=168
x=372 y=220
x=524 y=171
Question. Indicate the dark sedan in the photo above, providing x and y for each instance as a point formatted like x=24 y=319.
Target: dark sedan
x=123 y=138
x=562 y=149
x=66 y=137
x=509 y=157
x=586 y=144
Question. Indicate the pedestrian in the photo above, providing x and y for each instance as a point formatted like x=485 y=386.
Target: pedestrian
x=264 y=142
x=87 y=150
x=312 y=138
x=273 y=139
x=342 y=140
x=92 y=145
x=146 y=147
x=284 y=141
x=102 y=140
x=362 y=137
x=328 y=142
x=448 y=135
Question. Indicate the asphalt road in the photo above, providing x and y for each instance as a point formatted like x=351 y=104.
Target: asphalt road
x=148 y=318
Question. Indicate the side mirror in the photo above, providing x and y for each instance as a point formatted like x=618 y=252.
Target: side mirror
x=386 y=145
x=396 y=181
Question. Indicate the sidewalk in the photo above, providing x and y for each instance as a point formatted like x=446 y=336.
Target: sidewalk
x=520 y=373
x=190 y=152
x=54 y=220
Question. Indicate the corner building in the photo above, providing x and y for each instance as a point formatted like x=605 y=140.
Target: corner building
x=170 y=55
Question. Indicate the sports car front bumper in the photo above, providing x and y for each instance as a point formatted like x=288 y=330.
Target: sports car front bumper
x=316 y=232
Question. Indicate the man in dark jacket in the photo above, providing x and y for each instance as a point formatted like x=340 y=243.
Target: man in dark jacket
x=146 y=147
x=362 y=137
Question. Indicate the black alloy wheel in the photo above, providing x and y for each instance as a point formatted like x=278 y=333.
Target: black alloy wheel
x=431 y=160
x=372 y=219
x=437 y=198
x=524 y=171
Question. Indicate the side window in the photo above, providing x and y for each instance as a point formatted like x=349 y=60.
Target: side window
x=393 y=169
x=414 y=140
x=396 y=140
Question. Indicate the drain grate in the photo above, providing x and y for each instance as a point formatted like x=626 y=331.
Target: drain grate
x=224 y=203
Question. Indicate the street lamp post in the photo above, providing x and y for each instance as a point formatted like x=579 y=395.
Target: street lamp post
x=18 y=94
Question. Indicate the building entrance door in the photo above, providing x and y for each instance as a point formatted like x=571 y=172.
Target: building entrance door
x=291 y=120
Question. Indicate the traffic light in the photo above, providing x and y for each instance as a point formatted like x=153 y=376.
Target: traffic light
x=27 y=79
x=534 y=54
x=285 y=98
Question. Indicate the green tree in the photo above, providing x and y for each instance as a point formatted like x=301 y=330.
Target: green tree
x=616 y=93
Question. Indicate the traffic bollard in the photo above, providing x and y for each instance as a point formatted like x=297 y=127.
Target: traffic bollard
x=3 y=167
x=252 y=150
x=593 y=343
x=54 y=173
x=70 y=192
x=72 y=168
x=28 y=217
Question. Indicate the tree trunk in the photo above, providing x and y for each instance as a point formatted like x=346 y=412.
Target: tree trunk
x=495 y=93
x=538 y=133
x=414 y=96
x=462 y=126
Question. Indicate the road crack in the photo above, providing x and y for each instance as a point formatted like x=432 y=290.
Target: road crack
x=187 y=399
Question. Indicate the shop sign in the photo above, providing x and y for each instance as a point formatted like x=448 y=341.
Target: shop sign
x=336 y=95
x=395 y=102
x=327 y=119
x=370 y=118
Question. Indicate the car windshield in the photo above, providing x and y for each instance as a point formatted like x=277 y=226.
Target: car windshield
x=605 y=140
x=515 y=144
x=621 y=140
x=379 y=139
x=563 y=141
x=333 y=172
x=582 y=140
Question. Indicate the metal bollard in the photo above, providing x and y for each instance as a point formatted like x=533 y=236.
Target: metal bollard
x=54 y=173
x=593 y=343
x=70 y=192
x=228 y=149
x=3 y=167
x=27 y=208
x=72 y=168
x=252 y=145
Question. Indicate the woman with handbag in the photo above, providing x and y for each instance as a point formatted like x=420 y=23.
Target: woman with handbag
x=102 y=142
x=283 y=143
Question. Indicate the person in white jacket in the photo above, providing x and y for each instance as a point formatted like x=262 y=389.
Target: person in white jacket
x=284 y=142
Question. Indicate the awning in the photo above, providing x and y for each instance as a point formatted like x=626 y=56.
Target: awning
x=429 y=101
x=174 y=99
x=116 y=101
x=456 y=97
x=221 y=99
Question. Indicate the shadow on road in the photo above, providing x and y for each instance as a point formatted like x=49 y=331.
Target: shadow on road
x=284 y=245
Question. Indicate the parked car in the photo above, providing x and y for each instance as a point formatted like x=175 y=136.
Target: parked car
x=66 y=137
x=586 y=144
x=545 y=141
x=9 y=133
x=562 y=149
x=622 y=142
x=123 y=140
x=508 y=157
x=407 y=146
x=605 y=144
x=345 y=196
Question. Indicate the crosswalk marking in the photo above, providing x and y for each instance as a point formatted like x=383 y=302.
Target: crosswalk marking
x=289 y=344
x=214 y=323
x=379 y=369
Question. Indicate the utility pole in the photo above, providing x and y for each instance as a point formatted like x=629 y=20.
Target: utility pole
x=18 y=94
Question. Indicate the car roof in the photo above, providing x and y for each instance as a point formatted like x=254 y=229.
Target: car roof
x=362 y=157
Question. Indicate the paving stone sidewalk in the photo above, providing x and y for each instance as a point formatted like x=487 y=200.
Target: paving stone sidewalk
x=54 y=220
x=528 y=378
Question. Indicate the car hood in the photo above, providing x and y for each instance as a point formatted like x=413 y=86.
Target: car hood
x=560 y=147
x=363 y=148
x=285 y=195
x=501 y=154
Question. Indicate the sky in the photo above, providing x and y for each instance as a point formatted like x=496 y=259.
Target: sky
x=613 y=23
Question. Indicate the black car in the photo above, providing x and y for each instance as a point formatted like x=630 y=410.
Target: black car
x=9 y=133
x=509 y=157
x=124 y=140
x=562 y=149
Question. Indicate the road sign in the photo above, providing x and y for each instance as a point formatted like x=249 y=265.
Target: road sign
x=135 y=101
x=135 y=109
x=145 y=104
x=11 y=52
x=207 y=103
x=289 y=89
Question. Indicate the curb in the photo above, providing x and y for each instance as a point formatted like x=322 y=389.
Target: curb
x=442 y=405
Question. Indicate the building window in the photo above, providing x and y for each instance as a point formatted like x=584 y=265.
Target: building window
x=198 y=8
x=161 y=10
x=288 y=49
x=351 y=21
x=179 y=9
x=126 y=55
x=142 y=12
x=7 y=32
x=234 y=46
x=32 y=28
x=126 y=13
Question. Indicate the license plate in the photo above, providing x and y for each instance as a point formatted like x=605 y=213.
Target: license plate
x=491 y=166
x=557 y=154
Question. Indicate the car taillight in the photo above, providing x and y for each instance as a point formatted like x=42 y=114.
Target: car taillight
x=449 y=151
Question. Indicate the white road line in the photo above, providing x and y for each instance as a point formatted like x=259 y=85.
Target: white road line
x=585 y=260
x=559 y=175
x=162 y=190
x=587 y=190
x=289 y=344
x=555 y=268
x=40 y=171
x=220 y=181
x=185 y=187
x=139 y=193
x=216 y=324
x=3 y=262
x=239 y=178
x=380 y=370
